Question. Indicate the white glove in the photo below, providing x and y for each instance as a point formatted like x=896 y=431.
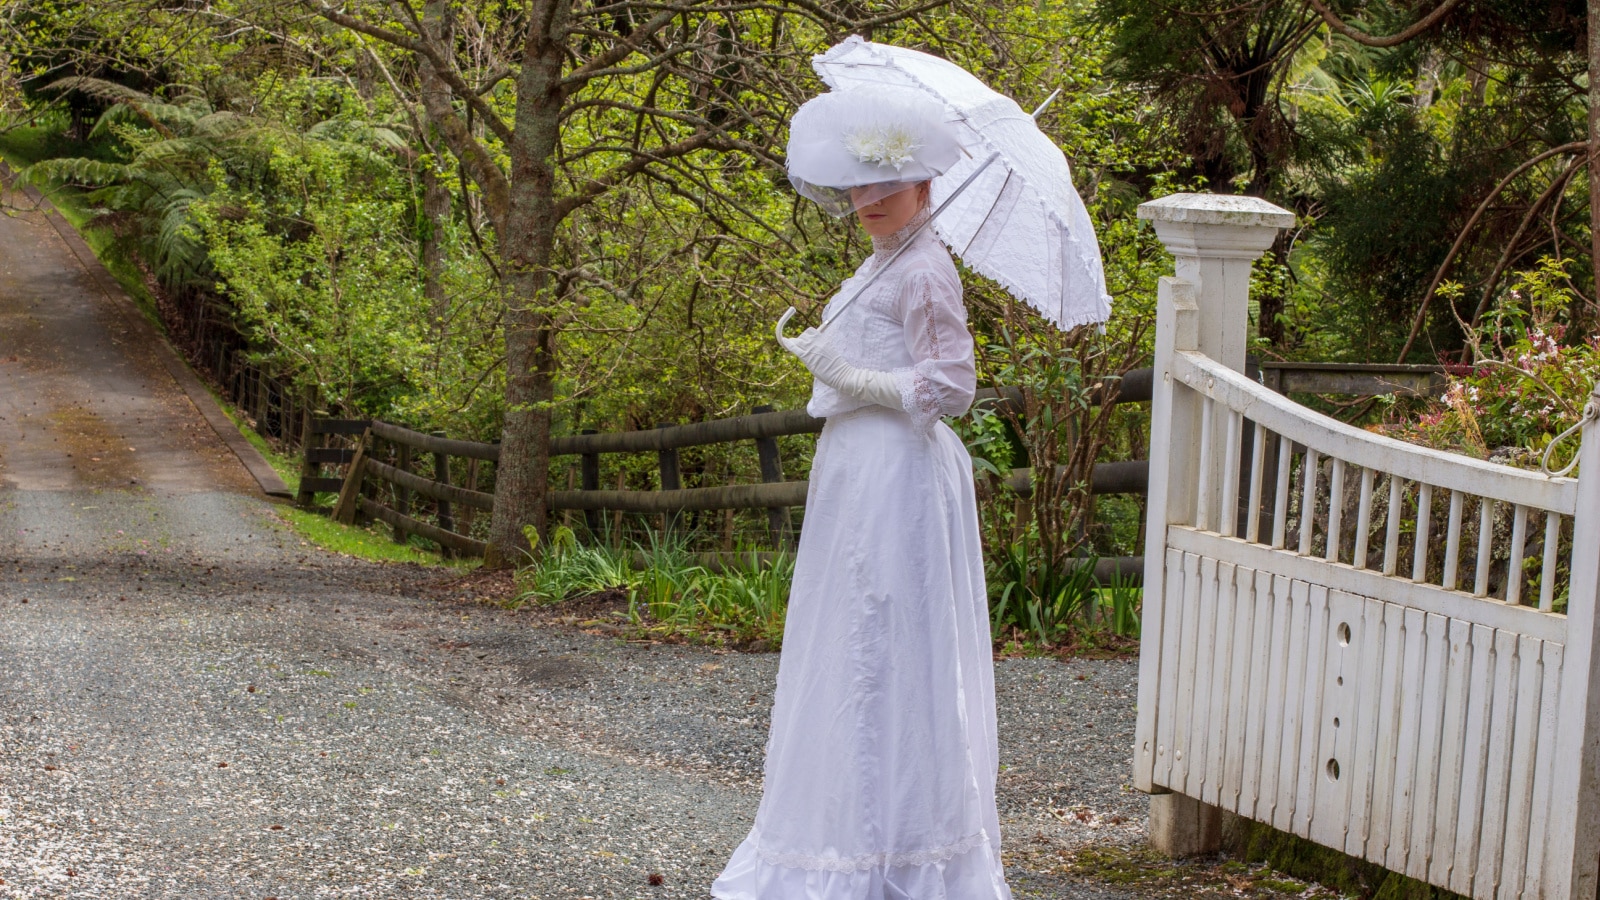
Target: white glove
x=818 y=354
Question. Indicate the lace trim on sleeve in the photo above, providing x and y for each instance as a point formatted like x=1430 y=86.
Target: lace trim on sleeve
x=918 y=395
x=870 y=861
x=926 y=299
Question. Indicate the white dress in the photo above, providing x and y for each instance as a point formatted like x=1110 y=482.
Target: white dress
x=882 y=758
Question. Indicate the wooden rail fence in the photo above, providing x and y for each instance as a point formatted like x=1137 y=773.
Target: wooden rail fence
x=437 y=487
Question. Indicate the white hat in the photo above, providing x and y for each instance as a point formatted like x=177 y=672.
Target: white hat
x=889 y=138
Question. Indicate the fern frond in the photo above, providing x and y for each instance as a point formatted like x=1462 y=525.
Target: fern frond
x=72 y=169
x=99 y=89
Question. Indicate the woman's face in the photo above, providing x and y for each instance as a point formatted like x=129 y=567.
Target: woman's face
x=890 y=214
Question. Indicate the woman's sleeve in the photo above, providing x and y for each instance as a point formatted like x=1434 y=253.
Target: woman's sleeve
x=943 y=378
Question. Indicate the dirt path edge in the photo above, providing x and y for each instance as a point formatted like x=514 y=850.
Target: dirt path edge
x=204 y=403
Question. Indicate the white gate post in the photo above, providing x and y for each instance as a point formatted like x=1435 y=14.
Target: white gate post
x=1215 y=239
x=1571 y=853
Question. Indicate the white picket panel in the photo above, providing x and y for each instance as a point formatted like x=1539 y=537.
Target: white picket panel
x=1385 y=715
x=1423 y=710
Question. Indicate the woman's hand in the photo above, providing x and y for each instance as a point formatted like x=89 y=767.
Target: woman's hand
x=816 y=351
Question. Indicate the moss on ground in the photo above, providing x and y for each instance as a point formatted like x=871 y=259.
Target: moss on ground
x=1300 y=858
x=1155 y=875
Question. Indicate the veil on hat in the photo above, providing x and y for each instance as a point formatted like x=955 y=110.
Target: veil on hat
x=849 y=150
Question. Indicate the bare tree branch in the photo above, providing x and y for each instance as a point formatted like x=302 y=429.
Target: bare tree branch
x=1461 y=239
x=1393 y=40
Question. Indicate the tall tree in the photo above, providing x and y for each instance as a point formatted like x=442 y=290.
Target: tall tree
x=577 y=99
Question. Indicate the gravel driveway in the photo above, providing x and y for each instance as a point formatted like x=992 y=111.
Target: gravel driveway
x=196 y=705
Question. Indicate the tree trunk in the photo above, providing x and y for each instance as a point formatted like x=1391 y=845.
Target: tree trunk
x=435 y=215
x=435 y=193
x=528 y=240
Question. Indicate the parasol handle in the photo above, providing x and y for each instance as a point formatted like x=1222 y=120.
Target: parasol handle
x=896 y=255
x=782 y=321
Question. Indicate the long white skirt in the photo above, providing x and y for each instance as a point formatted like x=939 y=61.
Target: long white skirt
x=881 y=762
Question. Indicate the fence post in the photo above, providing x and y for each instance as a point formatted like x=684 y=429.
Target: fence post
x=671 y=480
x=308 y=469
x=349 y=504
x=402 y=496
x=469 y=514
x=779 y=523
x=441 y=474
x=589 y=480
x=1214 y=240
x=1575 y=792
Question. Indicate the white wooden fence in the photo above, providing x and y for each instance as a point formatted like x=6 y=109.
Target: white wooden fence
x=1385 y=649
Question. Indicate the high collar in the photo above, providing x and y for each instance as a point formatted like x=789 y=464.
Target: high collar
x=883 y=246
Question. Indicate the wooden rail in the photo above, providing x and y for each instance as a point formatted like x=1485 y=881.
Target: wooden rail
x=381 y=462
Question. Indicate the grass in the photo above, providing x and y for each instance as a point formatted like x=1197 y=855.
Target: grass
x=667 y=592
x=350 y=540
x=372 y=543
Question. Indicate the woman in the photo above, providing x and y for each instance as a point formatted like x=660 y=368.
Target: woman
x=881 y=761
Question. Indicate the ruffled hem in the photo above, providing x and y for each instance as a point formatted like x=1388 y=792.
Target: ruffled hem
x=968 y=869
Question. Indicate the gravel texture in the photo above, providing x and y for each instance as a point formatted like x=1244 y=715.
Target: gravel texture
x=212 y=709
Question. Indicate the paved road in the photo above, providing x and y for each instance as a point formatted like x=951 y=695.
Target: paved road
x=194 y=703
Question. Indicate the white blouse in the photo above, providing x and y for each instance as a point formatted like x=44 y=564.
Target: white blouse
x=911 y=323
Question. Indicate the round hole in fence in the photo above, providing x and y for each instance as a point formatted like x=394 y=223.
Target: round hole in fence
x=1341 y=681
x=1333 y=770
x=1344 y=634
x=1336 y=721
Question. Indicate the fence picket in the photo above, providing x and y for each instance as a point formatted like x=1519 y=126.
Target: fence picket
x=1436 y=662
x=1363 y=519
x=1452 y=542
x=1419 y=551
x=1519 y=541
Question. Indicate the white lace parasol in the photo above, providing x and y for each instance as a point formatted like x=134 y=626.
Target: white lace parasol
x=1021 y=222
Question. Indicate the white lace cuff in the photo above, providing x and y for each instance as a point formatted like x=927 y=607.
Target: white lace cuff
x=919 y=395
x=870 y=861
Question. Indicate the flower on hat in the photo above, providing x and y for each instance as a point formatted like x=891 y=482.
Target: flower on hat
x=884 y=145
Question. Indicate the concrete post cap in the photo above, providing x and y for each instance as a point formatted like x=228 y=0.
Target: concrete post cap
x=1216 y=209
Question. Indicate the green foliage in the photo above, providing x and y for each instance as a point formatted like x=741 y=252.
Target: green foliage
x=677 y=595
x=1529 y=380
x=349 y=540
x=320 y=274
x=1043 y=601
x=669 y=592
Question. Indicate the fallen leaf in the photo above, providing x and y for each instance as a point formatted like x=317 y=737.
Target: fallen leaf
x=274 y=827
x=222 y=765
